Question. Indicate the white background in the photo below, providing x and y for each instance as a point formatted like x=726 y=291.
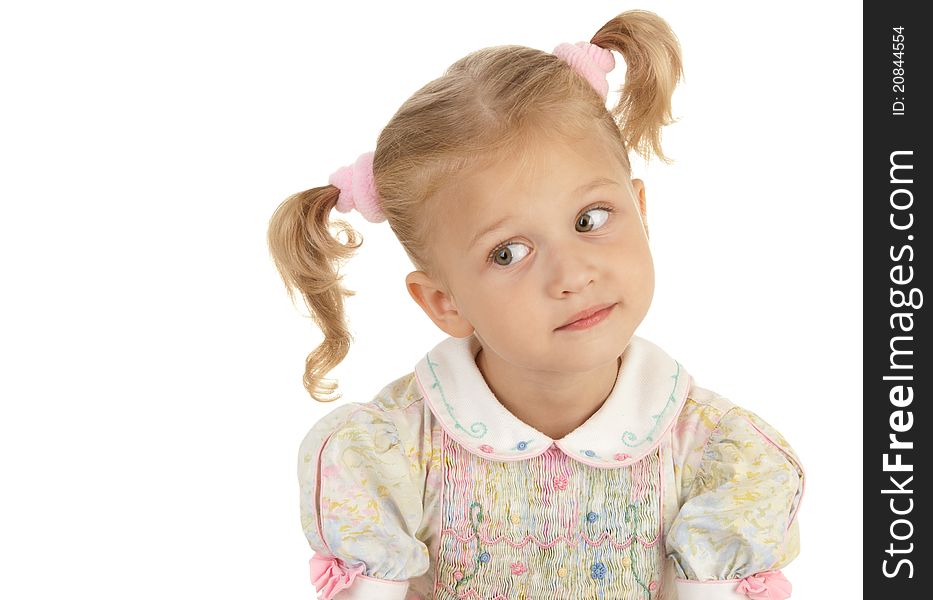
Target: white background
x=152 y=403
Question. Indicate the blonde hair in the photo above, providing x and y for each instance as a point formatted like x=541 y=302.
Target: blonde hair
x=489 y=102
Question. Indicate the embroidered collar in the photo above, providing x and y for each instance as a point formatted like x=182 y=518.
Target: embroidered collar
x=648 y=394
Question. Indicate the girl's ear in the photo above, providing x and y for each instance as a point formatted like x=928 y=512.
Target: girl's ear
x=639 y=186
x=438 y=304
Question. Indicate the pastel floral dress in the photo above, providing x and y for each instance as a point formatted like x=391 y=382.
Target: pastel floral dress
x=433 y=490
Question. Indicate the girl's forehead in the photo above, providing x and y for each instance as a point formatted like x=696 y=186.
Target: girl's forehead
x=547 y=172
x=515 y=181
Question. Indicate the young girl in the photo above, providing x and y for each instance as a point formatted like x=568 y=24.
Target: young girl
x=542 y=450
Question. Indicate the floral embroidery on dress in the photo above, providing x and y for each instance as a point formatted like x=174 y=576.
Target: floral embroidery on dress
x=612 y=543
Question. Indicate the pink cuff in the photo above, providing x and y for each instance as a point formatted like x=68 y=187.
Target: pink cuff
x=767 y=585
x=335 y=581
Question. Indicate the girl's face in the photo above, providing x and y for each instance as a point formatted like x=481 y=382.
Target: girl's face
x=524 y=250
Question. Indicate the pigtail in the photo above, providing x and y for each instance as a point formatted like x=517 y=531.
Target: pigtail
x=307 y=257
x=653 y=68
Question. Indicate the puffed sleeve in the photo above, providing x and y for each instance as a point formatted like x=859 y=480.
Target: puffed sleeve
x=737 y=525
x=361 y=505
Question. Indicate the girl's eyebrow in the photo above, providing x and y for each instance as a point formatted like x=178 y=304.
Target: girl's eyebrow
x=583 y=189
x=484 y=232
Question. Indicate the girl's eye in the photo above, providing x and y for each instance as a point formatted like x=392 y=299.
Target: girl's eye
x=503 y=254
x=585 y=223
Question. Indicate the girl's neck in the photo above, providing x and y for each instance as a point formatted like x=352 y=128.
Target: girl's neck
x=553 y=403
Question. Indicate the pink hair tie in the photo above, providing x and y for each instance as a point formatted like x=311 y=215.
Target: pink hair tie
x=589 y=60
x=330 y=575
x=767 y=585
x=358 y=189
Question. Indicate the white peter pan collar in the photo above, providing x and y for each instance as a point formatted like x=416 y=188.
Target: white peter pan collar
x=648 y=394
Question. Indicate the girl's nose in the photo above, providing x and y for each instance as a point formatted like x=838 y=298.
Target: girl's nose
x=571 y=271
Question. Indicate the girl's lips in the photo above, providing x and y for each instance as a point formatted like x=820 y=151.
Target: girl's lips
x=589 y=321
